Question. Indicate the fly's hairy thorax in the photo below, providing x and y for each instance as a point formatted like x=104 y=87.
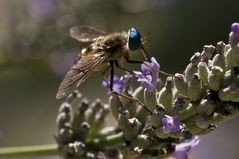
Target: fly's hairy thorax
x=113 y=44
x=116 y=45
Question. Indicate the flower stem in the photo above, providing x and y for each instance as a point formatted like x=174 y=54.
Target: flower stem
x=39 y=150
x=48 y=150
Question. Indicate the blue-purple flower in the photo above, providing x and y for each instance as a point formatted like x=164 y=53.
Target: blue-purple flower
x=182 y=150
x=234 y=35
x=119 y=84
x=148 y=76
x=235 y=28
x=170 y=124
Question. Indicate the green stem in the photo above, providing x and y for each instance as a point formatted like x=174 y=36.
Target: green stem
x=48 y=150
x=41 y=150
x=106 y=141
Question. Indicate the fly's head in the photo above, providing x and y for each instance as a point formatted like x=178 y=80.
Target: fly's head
x=134 y=39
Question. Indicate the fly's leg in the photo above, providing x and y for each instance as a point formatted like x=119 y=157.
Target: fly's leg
x=148 y=65
x=145 y=54
x=111 y=75
x=117 y=93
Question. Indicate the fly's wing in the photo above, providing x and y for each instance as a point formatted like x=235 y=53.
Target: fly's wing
x=86 y=33
x=79 y=72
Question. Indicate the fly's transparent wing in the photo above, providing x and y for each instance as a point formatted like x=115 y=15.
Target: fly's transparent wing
x=79 y=72
x=86 y=33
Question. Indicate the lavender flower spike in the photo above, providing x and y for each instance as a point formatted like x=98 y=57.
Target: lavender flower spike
x=119 y=84
x=234 y=35
x=170 y=124
x=148 y=76
x=235 y=28
x=182 y=150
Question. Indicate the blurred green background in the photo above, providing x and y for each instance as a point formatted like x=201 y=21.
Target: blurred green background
x=36 y=51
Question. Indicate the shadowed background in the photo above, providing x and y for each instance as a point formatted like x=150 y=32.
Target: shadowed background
x=36 y=51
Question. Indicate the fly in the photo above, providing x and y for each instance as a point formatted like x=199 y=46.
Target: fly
x=105 y=51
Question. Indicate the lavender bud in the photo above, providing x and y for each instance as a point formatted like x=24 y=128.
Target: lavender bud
x=65 y=107
x=115 y=106
x=129 y=105
x=160 y=84
x=160 y=134
x=216 y=118
x=231 y=111
x=141 y=141
x=65 y=134
x=83 y=106
x=215 y=78
x=207 y=53
x=192 y=67
x=202 y=122
x=170 y=124
x=74 y=97
x=157 y=116
x=150 y=99
x=61 y=119
x=220 y=47
x=188 y=112
x=179 y=104
x=195 y=59
x=90 y=155
x=180 y=84
x=79 y=116
x=225 y=94
x=209 y=63
x=123 y=119
x=83 y=132
x=230 y=59
x=236 y=52
x=141 y=113
x=234 y=35
x=139 y=93
x=219 y=60
x=91 y=113
x=230 y=93
x=230 y=76
x=76 y=149
x=186 y=134
x=203 y=72
x=132 y=129
x=165 y=95
x=129 y=153
x=195 y=88
x=99 y=122
x=206 y=107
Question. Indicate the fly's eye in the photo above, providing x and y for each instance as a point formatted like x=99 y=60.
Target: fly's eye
x=134 y=39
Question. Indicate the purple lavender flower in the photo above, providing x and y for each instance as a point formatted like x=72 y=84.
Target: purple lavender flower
x=148 y=76
x=182 y=150
x=234 y=35
x=170 y=124
x=235 y=28
x=119 y=84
